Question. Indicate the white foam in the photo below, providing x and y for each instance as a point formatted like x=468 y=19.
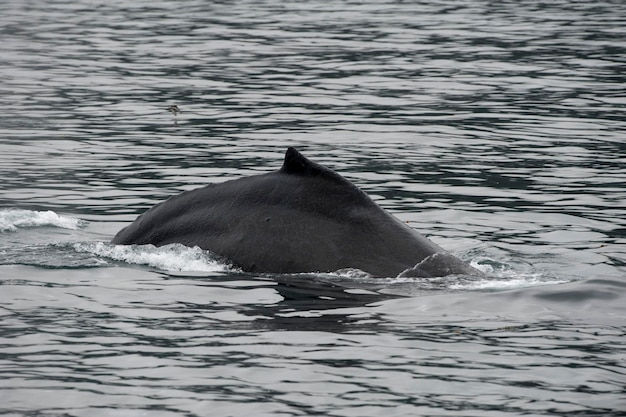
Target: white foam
x=173 y=257
x=12 y=219
x=352 y=273
x=506 y=283
x=503 y=276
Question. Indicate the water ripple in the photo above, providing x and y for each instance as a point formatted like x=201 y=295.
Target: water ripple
x=496 y=129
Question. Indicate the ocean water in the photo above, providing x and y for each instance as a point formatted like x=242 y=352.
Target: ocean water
x=497 y=129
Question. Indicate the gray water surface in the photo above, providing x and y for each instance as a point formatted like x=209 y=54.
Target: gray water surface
x=497 y=129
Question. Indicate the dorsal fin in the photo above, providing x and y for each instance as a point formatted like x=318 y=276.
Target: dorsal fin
x=297 y=164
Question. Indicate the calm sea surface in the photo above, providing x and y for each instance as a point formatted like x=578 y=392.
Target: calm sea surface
x=497 y=129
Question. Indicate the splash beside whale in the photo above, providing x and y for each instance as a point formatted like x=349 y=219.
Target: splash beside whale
x=302 y=218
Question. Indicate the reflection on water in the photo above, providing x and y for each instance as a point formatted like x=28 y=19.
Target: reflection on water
x=496 y=128
x=140 y=341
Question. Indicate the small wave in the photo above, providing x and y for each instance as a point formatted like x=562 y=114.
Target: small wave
x=498 y=276
x=12 y=219
x=350 y=273
x=506 y=275
x=504 y=283
x=173 y=257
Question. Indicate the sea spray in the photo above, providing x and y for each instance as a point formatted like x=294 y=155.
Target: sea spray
x=12 y=219
x=174 y=257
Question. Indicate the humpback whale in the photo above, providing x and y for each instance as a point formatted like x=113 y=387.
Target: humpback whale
x=302 y=218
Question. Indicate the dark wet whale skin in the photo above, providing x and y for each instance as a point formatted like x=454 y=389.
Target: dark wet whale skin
x=301 y=218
